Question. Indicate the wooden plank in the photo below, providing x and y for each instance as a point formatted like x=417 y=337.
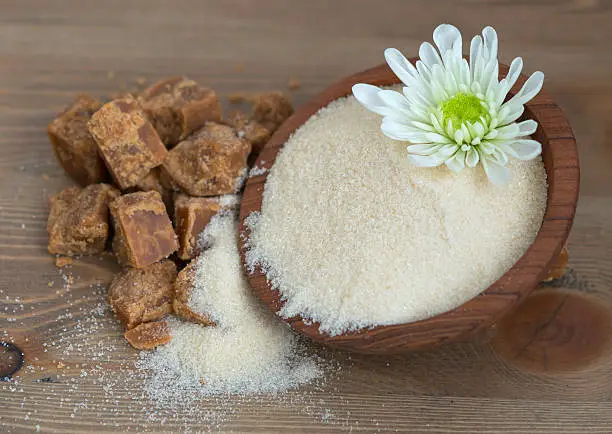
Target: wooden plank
x=49 y=52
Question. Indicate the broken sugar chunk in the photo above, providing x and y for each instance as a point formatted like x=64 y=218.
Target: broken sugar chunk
x=558 y=269
x=191 y=215
x=253 y=131
x=182 y=292
x=78 y=220
x=63 y=261
x=73 y=144
x=143 y=295
x=177 y=106
x=149 y=336
x=143 y=231
x=60 y=203
x=152 y=182
x=271 y=110
x=127 y=141
x=210 y=162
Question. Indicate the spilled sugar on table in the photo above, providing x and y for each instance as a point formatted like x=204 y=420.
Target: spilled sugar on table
x=544 y=368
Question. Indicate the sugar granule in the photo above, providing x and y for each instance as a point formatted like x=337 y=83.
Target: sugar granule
x=353 y=236
x=249 y=351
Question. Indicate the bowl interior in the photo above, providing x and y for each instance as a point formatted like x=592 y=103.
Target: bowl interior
x=560 y=158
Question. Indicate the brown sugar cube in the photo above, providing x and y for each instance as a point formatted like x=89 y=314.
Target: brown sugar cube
x=142 y=295
x=253 y=131
x=210 y=162
x=191 y=215
x=177 y=106
x=271 y=110
x=60 y=203
x=182 y=292
x=127 y=141
x=73 y=144
x=78 y=220
x=143 y=231
x=152 y=182
x=149 y=336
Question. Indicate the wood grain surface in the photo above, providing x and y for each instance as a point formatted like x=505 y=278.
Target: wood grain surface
x=547 y=369
x=560 y=158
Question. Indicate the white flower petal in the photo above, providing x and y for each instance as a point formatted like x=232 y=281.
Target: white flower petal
x=429 y=55
x=497 y=174
x=515 y=71
x=423 y=149
x=472 y=158
x=446 y=37
x=456 y=163
x=400 y=131
x=532 y=86
x=525 y=149
x=527 y=127
x=489 y=36
x=459 y=136
x=394 y=100
x=426 y=160
x=400 y=66
x=367 y=95
x=506 y=132
x=515 y=111
x=475 y=53
x=448 y=150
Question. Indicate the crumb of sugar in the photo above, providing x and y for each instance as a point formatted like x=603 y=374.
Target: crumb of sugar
x=249 y=351
x=257 y=170
x=362 y=238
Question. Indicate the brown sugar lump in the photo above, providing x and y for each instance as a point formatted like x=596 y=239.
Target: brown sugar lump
x=143 y=295
x=73 y=144
x=149 y=336
x=191 y=215
x=127 y=141
x=152 y=182
x=78 y=220
x=271 y=109
x=60 y=203
x=177 y=106
x=210 y=162
x=183 y=287
x=143 y=231
x=251 y=130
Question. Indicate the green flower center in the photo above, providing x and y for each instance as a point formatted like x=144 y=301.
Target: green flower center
x=462 y=108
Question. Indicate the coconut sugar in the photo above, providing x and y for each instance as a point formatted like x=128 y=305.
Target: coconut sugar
x=248 y=351
x=353 y=236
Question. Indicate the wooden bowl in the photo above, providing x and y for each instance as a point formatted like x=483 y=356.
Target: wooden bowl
x=561 y=162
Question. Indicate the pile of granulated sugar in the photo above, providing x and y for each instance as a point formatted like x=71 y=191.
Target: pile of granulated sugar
x=354 y=236
x=249 y=351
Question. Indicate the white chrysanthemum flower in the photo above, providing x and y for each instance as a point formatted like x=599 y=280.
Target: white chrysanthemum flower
x=453 y=112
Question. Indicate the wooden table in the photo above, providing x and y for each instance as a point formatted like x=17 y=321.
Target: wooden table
x=546 y=370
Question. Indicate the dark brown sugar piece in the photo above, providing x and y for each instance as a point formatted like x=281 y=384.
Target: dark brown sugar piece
x=149 y=336
x=177 y=106
x=182 y=292
x=73 y=144
x=127 y=141
x=152 y=182
x=143 y=295
x=210 y=162
x=251 y=130
x=78 y=220
x=191 y=215
x=143 y=231
x=271 y=109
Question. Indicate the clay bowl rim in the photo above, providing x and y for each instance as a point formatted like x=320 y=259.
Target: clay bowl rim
x=561 y=161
